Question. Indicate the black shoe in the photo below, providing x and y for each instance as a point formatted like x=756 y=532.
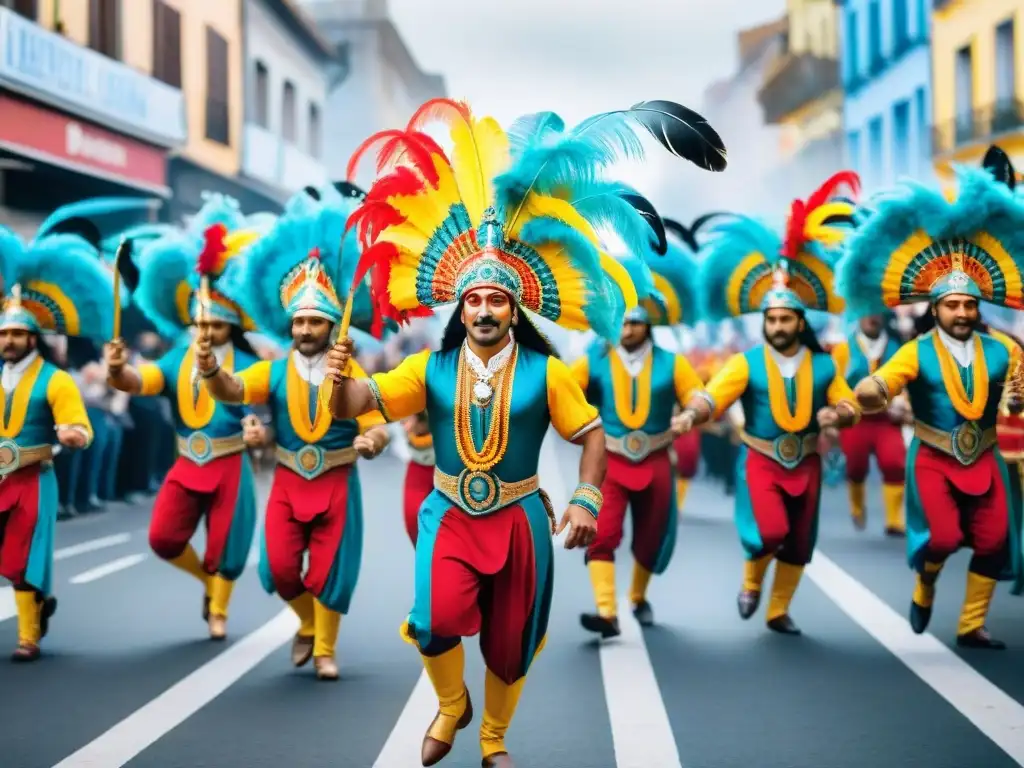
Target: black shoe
x=606 y=627
x=49 y=608
x=206 y=607
x=747 y=602
x=919 y=617
x=980 y=638
x=895 y=533
x=644 y=614
x=783 y=625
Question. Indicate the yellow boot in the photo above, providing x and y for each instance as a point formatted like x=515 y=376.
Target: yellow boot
x=682 y=486
x=858 y=510
x=602 y=578
x=189 y=562
x=326 y=625
x=219 y=590
x=787 y=578
x=892 y=497
x=638 y=596
x=500 y=702
x=924 y=597
x=29 y=626
x=971 y=632
x=302 y=645
x=454 y=709
x=753 y=577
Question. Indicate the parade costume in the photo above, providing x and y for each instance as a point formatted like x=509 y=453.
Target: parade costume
x=635 y=392
x=212 y=478
x=315 y=504
x=56 y=285
x=748 y=268
x=419 y=477
x=513 y=212
x=919 y=246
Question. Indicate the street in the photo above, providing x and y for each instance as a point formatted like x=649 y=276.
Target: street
x=129 y=677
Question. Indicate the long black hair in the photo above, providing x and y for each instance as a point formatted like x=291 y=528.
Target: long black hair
x=241 y=342
x=526 y=333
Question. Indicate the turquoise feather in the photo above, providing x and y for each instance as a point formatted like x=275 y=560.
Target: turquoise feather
x=163 y=265
x=93 y=208
x=728 y=243
x=680 y=269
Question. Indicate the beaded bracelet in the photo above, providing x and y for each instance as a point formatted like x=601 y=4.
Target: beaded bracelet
x=589 y=497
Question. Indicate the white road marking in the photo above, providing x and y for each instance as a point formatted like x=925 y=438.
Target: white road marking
x=139 y=730
x=8 y=610
x=641 y=731
x=406 y=738
x=992 y=711
x=92 y=546
x=108 y=568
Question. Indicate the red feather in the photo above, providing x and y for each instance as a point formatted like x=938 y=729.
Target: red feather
x=822 y=194
x=401 y=181
x=439 y=109
x=794 y=229
x=213 y=249
x=392 y=147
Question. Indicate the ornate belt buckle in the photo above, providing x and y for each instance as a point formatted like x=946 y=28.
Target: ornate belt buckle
x=479 y=492
x=789 y=450
x=636 y=445
x=309 y=460
x=10 y=457
x=200 y=447
x=966 y=442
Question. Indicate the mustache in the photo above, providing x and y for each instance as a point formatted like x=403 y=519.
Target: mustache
x=486 y=322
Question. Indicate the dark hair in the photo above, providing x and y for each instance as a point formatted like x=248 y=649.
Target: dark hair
x=527 y=334
x=807 y=337
x=928 y=322
x=241 y=342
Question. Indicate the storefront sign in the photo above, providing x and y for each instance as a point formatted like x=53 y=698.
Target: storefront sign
x=38 y=62
x=52 y=137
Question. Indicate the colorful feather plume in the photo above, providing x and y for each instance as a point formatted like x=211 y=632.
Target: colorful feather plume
x=998 y=163
x=95 y=219
x=675 y=297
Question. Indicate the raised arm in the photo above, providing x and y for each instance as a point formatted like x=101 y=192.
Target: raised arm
x=146 y=380
x=876 y=391
x=396 y=394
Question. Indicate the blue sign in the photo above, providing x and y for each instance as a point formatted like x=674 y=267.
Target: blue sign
x=35 y=60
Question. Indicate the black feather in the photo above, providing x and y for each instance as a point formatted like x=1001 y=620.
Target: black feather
x=125 y=264
x=77 y=225
x=839 y=218
x=312 y=192
x=646 y=209
x=682 y=132
x=348 y=189
x=997 y=162
x=682 y=232
x=700 y=221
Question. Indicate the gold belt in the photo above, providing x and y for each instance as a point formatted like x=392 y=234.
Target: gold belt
x=965 y=443
x=201 y=449
x=480 y=493
x=13 y=457
x=637 y=446
x=311 y=461
x=787 y=449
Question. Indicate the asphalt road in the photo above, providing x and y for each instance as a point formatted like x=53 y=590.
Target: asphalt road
x=129 y=678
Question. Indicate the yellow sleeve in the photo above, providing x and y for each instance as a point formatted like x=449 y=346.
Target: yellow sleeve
x=369 y=419
x=841 y=357
x=581 y=371
x=255 y=383
x=66 y=403
x=839 y=391
x=402 y=391
x=901 y=369
x=151 y=377
x=686 y=380
x=571 y=414
x=728 y=385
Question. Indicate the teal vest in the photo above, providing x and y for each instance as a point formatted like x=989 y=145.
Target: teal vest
x=757 y=412
x=858 y=368
x=601 y=391
x=339 y=435
x=38 y=426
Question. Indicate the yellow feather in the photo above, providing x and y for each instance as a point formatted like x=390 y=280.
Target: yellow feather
x=620 y=277
x=819 y=214
x=536 y=206
x=427 y=210
x=469 y=174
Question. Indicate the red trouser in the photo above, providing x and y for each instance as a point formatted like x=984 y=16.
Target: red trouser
x=19 y=508
x=875 y=434
x=784 y=503
x=419 y=482
x=188 y=492
x=687 y=449
x=647 y=489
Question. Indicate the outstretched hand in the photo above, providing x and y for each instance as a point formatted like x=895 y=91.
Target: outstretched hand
x=583 y=527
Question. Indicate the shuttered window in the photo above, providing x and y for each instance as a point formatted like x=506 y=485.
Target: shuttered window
x=166 y=44
x=218 y=117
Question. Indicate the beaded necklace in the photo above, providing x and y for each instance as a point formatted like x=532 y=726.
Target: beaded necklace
x=496 y=441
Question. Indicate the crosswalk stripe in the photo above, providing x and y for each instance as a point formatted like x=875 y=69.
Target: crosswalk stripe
x=108 y=568
x=405 y=740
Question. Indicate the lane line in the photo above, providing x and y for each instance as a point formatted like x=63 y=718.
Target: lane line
x=128 y=738
x=92 y=546
x=406 y=738
x=108 y=568
x=8 y=610
x=992 y=711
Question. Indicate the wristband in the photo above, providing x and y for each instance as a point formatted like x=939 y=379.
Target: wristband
x=211 y=374
x=589 y=497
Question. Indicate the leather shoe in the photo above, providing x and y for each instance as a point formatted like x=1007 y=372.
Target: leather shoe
x=218 y=627
x=49 y=608
x=434 y=750
x=919 y=617
x=25 y=652
x=498 y=760
x=980 y=638
x=326 y=668
x=784 y=625
x=302 y=650
x=606 y=627
x=747 y=602
x=644 y=614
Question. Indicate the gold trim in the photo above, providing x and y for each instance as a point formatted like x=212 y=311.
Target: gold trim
x=13 y=457
x=298 y=461
x=501 y=495
x=808 y=444
x=644 y=443
x=191 y=447
x=943 y=441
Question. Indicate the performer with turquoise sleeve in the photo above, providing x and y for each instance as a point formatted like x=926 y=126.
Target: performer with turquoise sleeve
x=506 y=227
x=287 y=283
x=789 y=387
x=58 y=284
x=919 y=246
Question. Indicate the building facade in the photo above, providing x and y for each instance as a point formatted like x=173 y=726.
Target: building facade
x=978 y=80
x=886 y=71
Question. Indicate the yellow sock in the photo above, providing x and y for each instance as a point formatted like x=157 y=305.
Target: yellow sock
x=638 y=589
x=220 y=595
x=787 y=577
x=447 y=674
x=754 y=571
x=892 y=497
x=325 y=630
x=857 y=500
x=682 y=486
x=189 y=562
x=976 y=603
x=29 y=613
x=500 y=702
x=303 y=607
x=924 y=584
x=602 y=579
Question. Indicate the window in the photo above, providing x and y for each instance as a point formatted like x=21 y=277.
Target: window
x=26 y=8
x=852 y=52
x=314 y=130
x=964 y=85
x=900 y=26
x=166 y=44
x=1005 y=80
x=924 y=137
x=105 y=27
x=261 y=105
x=289 y=127
x=875 y=149
x=923 y=18
x=874 y=37
x=901 y=139
x=218 y=117
x=853 y=149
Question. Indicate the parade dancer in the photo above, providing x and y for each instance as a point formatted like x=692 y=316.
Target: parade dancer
x=635 y=387
x=879 y=435
x=498 y=231
x=919 y=246
x=179 y=290
x=789 y=388
x=419 y=474
x=56 y=285
x=288 y=282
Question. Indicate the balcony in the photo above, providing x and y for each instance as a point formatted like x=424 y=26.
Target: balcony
x=982 y=125
x=795 y=82
x=268 y=158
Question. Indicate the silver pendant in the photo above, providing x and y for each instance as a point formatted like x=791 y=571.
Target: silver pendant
x=482 y=391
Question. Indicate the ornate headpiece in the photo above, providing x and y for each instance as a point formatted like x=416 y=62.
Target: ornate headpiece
x=518 y=211
x=919 y=246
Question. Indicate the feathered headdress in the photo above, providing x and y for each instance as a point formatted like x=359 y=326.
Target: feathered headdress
x=56 y=284
x=920 y=246
x=97 y=219
x=748 y=268
x=517 y=211
x=674 y=298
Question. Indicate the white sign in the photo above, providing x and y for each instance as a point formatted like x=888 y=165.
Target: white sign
x=78 y=142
